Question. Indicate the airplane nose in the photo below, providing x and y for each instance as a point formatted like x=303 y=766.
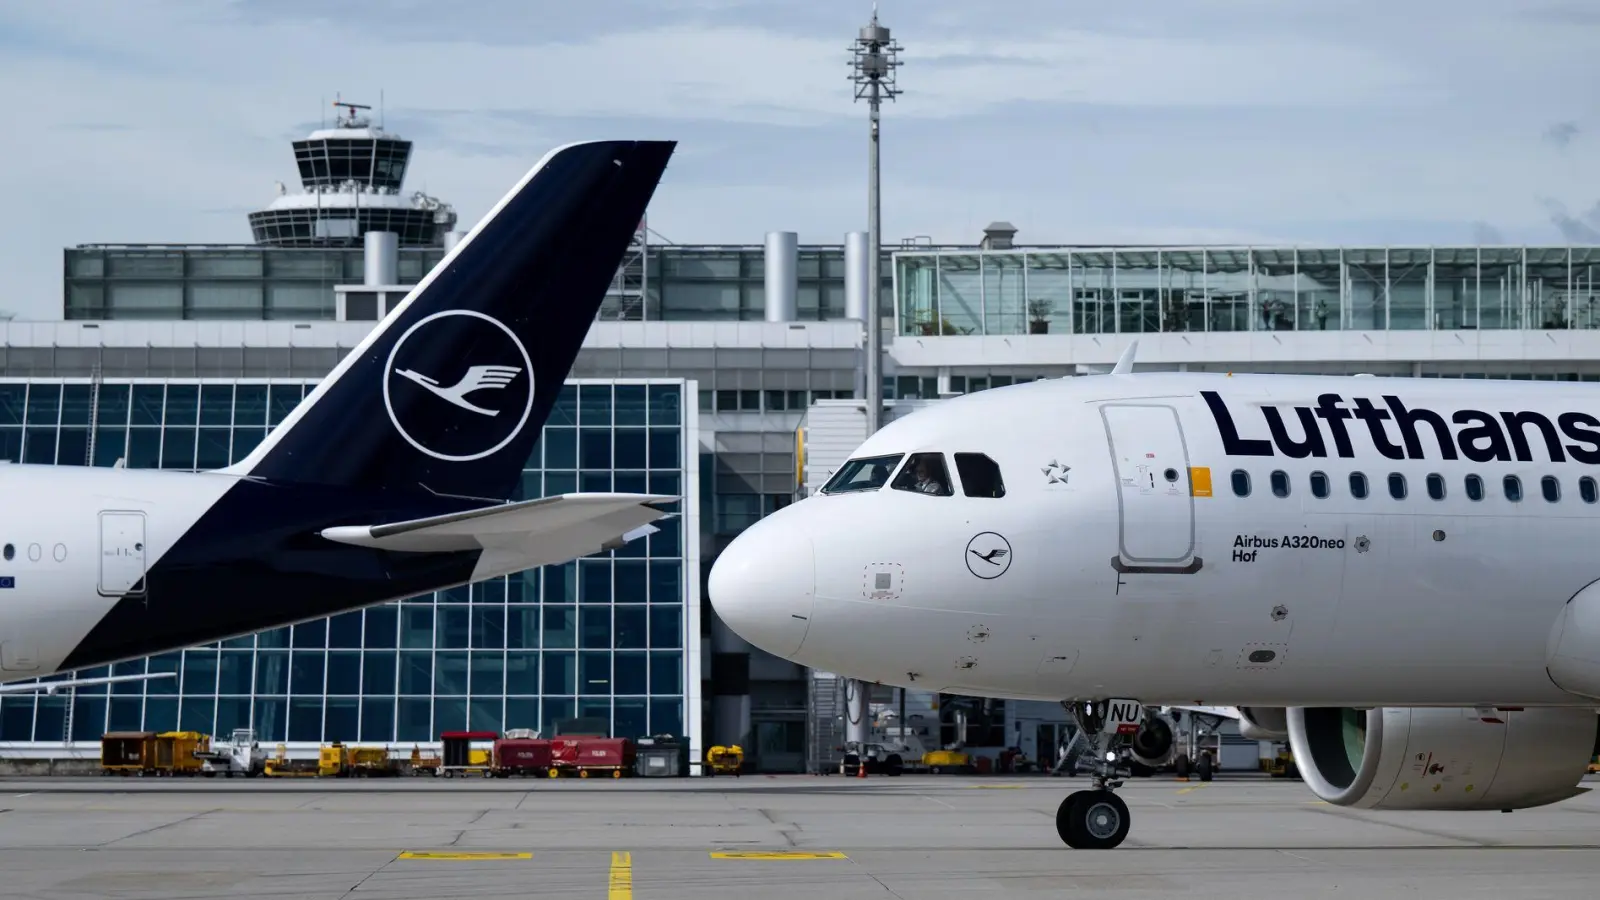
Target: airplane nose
x=763 y=584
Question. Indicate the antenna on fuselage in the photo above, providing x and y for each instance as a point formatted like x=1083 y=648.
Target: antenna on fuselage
x=1124 y=364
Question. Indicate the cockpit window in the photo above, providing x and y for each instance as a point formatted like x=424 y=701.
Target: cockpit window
x=924 y=473
x=980 y=475
x=866 y=474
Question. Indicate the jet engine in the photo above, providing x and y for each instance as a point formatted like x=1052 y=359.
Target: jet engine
x=1155 y=743
x=1438 y=759
x=1264 y=723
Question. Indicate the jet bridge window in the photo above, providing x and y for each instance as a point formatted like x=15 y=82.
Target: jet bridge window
x=924 y=473
x=1551 y=486
x=866 y=474
x=980 y=475
x=1586 y=489
x=1513 y=487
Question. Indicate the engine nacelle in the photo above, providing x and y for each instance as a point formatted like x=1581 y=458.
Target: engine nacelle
x=1156 y=742
x=1264 y=723
x=1424 y=758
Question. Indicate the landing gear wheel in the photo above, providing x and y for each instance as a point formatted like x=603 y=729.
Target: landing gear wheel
x=1205 y=767
x=1181 y=765
x=1092 y=820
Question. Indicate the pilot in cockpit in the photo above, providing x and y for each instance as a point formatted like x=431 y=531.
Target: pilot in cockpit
x=926 y=480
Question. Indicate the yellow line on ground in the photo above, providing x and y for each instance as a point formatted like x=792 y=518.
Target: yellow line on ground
x=461 y=855
x=778 y=855
x=1193 y=787
x=621 y=876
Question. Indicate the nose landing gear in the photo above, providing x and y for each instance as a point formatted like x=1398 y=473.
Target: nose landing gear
x=1097 y=819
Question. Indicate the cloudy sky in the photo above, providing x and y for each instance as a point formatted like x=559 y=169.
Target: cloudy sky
x=1292 y=121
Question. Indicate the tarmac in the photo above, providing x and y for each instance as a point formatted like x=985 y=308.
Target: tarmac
x=913 y=837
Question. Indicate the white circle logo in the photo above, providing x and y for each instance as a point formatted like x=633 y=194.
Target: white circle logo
x=460 y=387
x=988 y=555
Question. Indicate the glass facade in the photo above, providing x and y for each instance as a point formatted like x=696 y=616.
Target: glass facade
x=1132 y=290
x=696 y=284
x=607 y=636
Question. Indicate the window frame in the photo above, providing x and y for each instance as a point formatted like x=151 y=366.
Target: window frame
x=976 y=456
x=1549 y=484
x=1588 y=489
x=1274 y=480
x=1510 y=484
x=1234 y=478
x=1433 y=481
x=860 y=463
x=1327 y=485
x=900 y=480
x=1360 y=478
x=1399 y=488
x=1472 y=479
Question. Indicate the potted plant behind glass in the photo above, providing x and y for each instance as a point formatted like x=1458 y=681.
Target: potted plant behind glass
x=1038 y=316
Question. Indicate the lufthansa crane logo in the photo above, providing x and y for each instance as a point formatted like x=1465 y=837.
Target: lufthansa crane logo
x=458 y=385
x=988 y=555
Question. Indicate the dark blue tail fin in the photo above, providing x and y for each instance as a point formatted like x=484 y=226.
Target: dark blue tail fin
x=449 y=393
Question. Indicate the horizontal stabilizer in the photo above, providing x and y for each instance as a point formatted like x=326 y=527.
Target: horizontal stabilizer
x=517 y=536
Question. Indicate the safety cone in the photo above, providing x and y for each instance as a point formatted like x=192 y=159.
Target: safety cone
x=861 y=769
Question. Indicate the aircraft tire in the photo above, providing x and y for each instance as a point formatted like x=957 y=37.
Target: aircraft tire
x=1092 y=820
x=1181 y=765
x=1205 y=767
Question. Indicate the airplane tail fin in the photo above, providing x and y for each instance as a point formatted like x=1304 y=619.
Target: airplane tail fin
x=450 y=391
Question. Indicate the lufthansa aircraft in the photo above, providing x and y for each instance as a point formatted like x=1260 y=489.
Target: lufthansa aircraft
x=1394 y=574
x=393 y=478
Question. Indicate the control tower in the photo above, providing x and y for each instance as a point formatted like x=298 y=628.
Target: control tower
x=352 y=175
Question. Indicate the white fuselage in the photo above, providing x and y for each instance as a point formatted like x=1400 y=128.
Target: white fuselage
x=1125 y=581
x=80 y=540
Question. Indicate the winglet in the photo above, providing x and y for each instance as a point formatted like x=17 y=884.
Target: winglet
x=1124 y=364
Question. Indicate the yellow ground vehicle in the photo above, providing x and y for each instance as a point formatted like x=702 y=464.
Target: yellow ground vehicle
x=938 y=761
x=175 y=752
x=127 y=752
x=724 y=760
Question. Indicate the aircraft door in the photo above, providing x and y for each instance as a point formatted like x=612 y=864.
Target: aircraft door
x=1155 y=506
x=122 y=554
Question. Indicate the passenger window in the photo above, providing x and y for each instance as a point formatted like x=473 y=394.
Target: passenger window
x=1513 y=486
x=1397 y=485
x=1358 y=485
x=11 y=552
x=1436 y=486
x=1586 y=490
x=924 y=473
x=866 y=474
x=1241 y=483
x=980 y=475
x=1280 y=483
x=1474 y=488
x=1319 y=485
x=1551 y=487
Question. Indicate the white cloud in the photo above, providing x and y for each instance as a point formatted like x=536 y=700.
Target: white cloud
x=1245 y=120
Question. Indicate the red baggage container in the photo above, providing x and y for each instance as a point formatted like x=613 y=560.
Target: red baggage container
x=564 y=751
x=521 y=756
x=611 y=754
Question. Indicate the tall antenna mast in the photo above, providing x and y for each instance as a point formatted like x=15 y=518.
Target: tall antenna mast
x=875 y=57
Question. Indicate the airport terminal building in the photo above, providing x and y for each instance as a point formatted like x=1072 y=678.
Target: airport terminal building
x=729 y=375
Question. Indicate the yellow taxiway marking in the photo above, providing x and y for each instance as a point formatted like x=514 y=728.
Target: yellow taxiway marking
x=461 y=855
x=1193 y=787
x=778 y=855
x=621 y=887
